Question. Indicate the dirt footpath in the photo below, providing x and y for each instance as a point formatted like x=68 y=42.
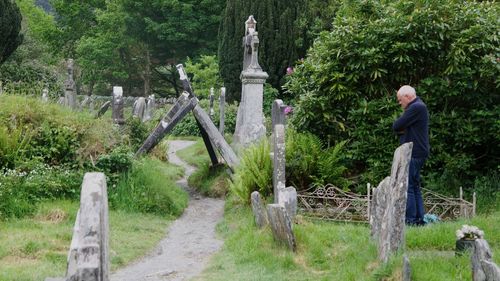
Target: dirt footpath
x=189 y=242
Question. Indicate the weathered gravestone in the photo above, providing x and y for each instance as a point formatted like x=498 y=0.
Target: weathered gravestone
x=212 y=112
x=118 y=103
x=45 y=95
x=279 y=179
x=281 y=225
x=150 y=108
x=250 y=118
x=259 y=210
x=88 y=258
x=389 y=205
x=483 y=267
x=406 y=269
x=139 y=108
x=222 y=104
x=70 y=87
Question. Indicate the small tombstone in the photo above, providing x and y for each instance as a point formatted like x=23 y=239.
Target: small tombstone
x=259 y=211
x=483 y=268
x=406 y=269
x=86 y=101
x=222 y=104
x=281 y=225
x=139 y=108
x=377 y=207
x=103 y=109
x=61 y=101
x=212 y=112
x=117 y=108
x=45 y=95
x=288 y=198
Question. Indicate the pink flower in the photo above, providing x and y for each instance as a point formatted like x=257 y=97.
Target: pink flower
x=288 y=110
x=289 y=70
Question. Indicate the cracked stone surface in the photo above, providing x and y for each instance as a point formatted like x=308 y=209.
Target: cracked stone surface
x=190 y=240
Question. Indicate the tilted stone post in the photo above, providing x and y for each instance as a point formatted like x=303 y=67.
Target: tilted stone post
x=117 y=107
x=103 y=109
x=222 y=104
x=250 y=119
x=259 y=211
x=281 y=225
x=391 y=225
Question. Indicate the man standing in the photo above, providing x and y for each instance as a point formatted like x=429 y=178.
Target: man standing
x=413 y=126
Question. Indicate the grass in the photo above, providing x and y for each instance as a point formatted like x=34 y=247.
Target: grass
x=339 y=251
x=35 y=248
x=209 y=181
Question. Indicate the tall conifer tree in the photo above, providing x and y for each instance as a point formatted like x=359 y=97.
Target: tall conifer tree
x=10 y=26
x=276 y=21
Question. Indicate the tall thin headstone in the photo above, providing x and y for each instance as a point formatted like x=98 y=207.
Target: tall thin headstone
x=212 y=112
x=250 y=119
x=69 y=87
x=117 y=107
x=150 y=108
x=222 y=104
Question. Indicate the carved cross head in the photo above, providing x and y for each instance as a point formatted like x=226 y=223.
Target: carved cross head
x=250 y=25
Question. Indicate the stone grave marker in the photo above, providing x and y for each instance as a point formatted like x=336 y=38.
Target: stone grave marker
x=222 y=104
x=139 y=108
x=70 y=87
x=483 y=267
x=281 y=225
x=259 y=210
x=118 y=103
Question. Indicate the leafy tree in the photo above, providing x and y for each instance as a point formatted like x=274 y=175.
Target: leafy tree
x=10 y=26
x=448 y=50
x=74 y=19
x=205 y=75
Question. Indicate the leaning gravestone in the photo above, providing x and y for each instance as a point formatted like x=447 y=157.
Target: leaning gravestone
x=250 y=118
x=103 y=109
x=483 y=267
x=88 y=258
x=392 y=223
x=377 y=207
x=259 y=210
x=281 y=225
x=117 y=107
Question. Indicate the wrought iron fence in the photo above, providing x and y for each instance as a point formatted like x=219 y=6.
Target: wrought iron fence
x=332 y=203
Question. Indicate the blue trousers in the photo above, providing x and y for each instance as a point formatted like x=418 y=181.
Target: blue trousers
x=415 y=204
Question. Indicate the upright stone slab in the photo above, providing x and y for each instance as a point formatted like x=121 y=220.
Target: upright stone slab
x=139 y=108
x=88 y=258
x=212 y=112
x=483 y=267
x=45 y=95
x=281 y=225
x=222 y=104
x=250 y=119
x=279 y=179
x=259 y=211
x=277 y=112
x=117 y=108
x=392 y=225
x=70 y=87
x=406 y=269
x=150 y=108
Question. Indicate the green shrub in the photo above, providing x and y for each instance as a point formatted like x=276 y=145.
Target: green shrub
x=345 y=88
x=149 y=187
x=113 y=164
x=254 y=172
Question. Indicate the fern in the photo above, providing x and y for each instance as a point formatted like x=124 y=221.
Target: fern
x=254 y=172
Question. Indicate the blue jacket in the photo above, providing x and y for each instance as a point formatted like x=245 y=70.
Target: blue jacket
x=413 y=126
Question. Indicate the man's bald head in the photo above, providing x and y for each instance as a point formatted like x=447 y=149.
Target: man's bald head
x=406 y=94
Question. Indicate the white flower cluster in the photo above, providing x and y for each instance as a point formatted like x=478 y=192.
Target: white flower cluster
x=469 y=232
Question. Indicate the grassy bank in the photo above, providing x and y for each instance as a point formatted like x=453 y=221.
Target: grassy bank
x=338 y=251
x=34 y=248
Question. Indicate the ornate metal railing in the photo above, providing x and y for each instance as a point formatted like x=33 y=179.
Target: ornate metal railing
x=332 y=203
